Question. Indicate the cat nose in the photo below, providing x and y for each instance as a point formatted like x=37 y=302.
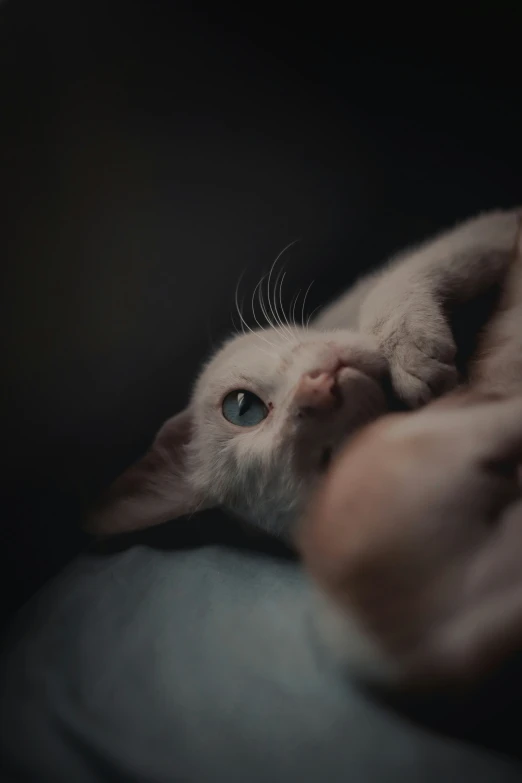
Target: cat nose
x=316 y=391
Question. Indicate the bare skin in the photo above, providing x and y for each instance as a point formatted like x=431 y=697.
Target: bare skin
x=415 y=537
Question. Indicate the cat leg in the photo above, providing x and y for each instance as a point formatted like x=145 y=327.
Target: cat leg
x=406 y=305
x=497 y=369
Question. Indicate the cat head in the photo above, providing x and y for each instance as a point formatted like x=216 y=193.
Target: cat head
x=265 y=416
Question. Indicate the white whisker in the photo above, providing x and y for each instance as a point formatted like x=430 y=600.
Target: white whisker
x=304 y=303
x=272 y=303
x=263 y=306
x=293 y=305
x=284 y=320
x=311 y=315
x=259 y=288
x=236 y=300
x=236 y=330
x=244 y=324
x=255 y=316
x=273 y=310
x=284 y=331
x=266 y=310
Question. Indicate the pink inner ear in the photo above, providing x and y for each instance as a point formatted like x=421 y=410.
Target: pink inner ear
x=175 y=432
x=153 y=490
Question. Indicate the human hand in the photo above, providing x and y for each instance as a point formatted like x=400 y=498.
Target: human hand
x=415 y=540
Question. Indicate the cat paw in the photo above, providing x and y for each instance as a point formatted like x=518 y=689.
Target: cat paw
x=421 y=352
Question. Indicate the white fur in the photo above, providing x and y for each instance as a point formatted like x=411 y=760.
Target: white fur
x=265 y=473
x=393 y=321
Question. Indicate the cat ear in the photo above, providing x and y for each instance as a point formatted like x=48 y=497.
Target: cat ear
x=155 y=489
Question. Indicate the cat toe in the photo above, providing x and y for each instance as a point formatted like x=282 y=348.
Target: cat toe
x=411 y=390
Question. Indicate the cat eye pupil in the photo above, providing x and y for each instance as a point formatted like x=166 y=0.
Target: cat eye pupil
x=244 y=408
x=242 y=403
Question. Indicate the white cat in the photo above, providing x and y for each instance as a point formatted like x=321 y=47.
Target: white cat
x=272 y=405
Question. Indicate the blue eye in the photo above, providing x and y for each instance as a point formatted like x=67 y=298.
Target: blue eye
x=244 y=408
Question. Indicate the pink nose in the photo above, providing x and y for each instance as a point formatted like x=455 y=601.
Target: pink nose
x=316 y=392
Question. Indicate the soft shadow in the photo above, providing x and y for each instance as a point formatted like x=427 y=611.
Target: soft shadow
x=206 y=529
x=487 y=714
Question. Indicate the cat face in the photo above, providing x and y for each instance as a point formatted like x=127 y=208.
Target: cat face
x=266 y=414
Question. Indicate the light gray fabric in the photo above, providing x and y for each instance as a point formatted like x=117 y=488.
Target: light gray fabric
x=198 y=665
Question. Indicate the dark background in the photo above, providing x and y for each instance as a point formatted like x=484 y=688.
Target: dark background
x=150 y=152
